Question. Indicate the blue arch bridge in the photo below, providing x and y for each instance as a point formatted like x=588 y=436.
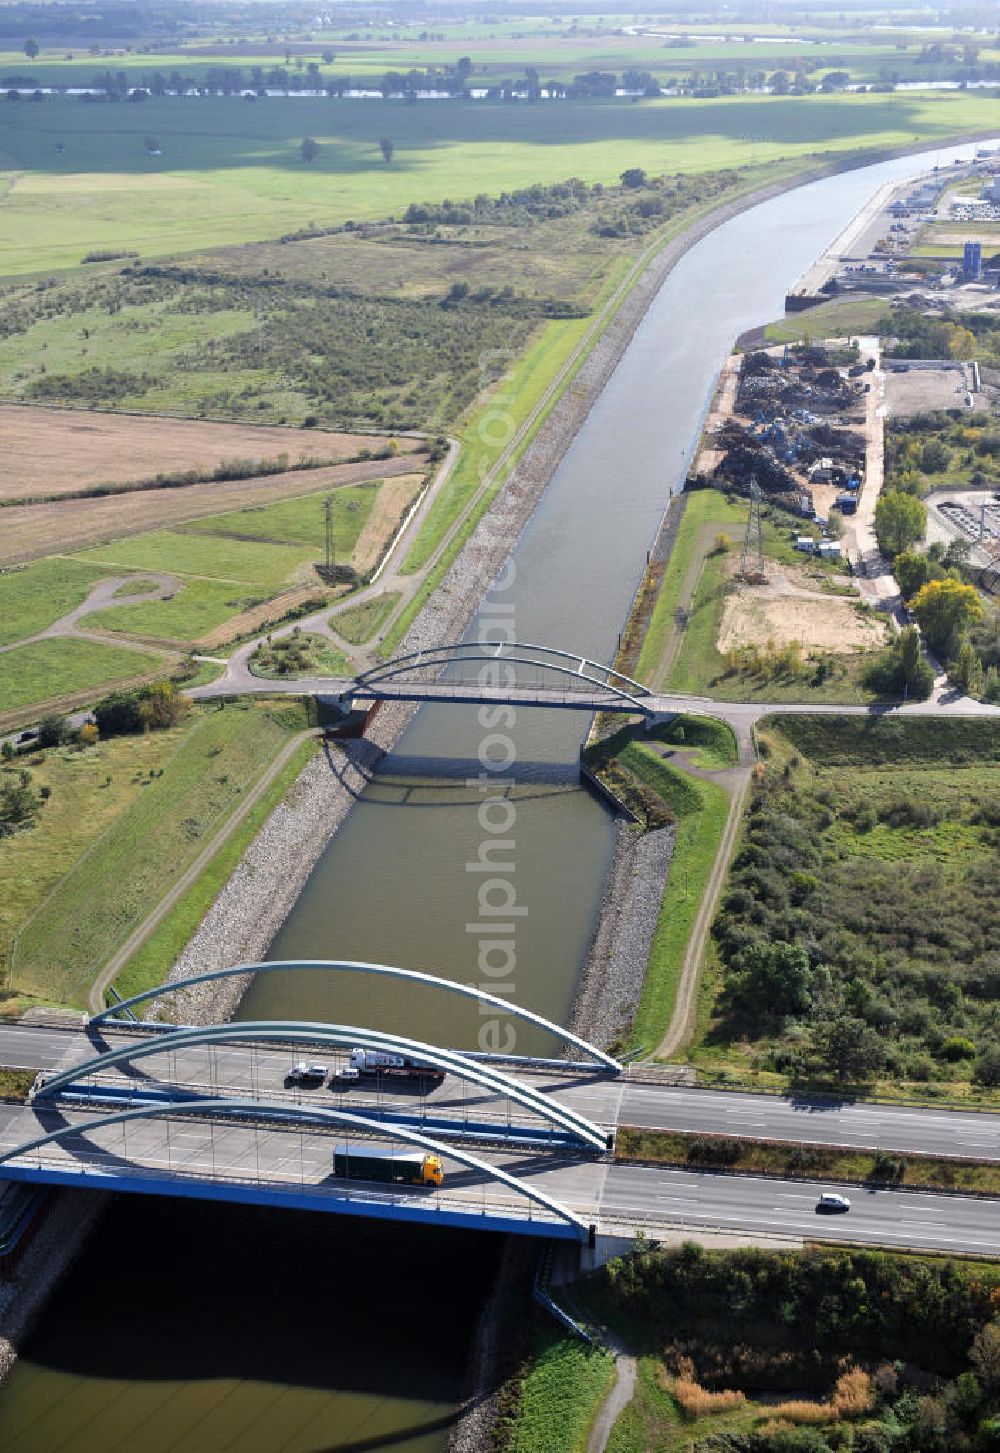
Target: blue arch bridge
x=438 y=1135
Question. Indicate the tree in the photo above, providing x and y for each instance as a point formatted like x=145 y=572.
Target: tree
x=913 y=570
x=946 y=609
x=849 y=1047
x=984 y=1354
x=633 y=176
x=31 y=48
x=18 y=804
x=88 y=734
x=774 y=979
x=387 y=147
x=52 y=731
x=900 y=521
x=966 y=671
x=309 y=149
x=918 y=678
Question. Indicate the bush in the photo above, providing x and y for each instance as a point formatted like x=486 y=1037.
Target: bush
x=987 y=1071
x=957 y=1048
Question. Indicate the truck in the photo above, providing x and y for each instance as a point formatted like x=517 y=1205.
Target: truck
x=385 y=1163
x=398 y=1066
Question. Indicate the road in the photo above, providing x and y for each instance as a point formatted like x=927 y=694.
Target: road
x=297 y=1164
x=640 y=1102
x=925 y=1220
x=813 y=1121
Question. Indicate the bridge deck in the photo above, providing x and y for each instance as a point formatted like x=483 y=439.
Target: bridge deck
x=291 y=1166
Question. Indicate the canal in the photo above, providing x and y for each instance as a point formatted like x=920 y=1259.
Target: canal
x=195 y=1328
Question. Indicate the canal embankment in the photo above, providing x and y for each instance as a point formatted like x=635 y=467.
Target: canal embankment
x=262 y=891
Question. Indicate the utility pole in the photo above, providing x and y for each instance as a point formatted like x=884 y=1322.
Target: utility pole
x=328 y=510
x=753 y=535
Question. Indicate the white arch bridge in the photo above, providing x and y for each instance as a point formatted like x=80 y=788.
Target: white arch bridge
x=210 y=1112
x=511 y=673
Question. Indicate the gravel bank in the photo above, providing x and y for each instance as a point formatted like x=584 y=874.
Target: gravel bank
x=67 y=1221
x=613 y=975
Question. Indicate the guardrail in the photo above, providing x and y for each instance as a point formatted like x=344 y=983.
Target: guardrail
x=83 y=1163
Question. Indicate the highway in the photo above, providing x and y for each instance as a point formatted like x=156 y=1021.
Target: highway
x=922 y=1220
x=813 y=1121
x=629 y=1101
x=296 y=1162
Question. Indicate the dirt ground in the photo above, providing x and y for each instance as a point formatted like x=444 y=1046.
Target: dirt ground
x=921 y=389
x=394 y=499
x=64 y=526
x=790 y=608
x=55 y=451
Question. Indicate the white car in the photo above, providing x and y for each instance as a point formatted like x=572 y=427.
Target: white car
x=831 y=1201
x=303 y=1074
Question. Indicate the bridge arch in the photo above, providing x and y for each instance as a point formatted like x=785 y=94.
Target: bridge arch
x=318 y=1114
x=521 y=653
x=389 y=971
x=451 y=1061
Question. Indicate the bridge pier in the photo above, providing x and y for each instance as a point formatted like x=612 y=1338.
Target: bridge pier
x=658 y=718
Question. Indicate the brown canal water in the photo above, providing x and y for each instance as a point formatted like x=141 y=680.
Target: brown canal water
x=207 y=1328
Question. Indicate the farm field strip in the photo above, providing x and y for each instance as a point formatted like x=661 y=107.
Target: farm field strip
x=202 y=192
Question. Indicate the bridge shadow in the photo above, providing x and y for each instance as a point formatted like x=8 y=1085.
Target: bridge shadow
x=283 y=1299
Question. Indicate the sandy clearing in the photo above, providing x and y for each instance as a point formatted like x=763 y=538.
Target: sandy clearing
x=29 y=531
x=53 y=451
x=790 y=608
x=388 y=512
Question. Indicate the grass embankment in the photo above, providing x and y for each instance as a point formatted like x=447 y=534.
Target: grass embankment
x=114 y=878
x=220 y=182
x=663 y=794
x=840 y=319
x=56 y=669
x=358 y=623
x=150 y=964
x=855 y=943
x=794 y=1161
x=705 y=510
x=558 y=1396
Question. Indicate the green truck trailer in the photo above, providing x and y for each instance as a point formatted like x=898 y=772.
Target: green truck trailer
x=385 y=1163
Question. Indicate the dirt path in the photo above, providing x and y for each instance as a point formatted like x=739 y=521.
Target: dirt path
x=103 y=597
x=135 y=940
x=737 y=782
x=618 y=1399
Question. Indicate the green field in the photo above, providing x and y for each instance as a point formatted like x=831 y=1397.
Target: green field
x=231 y=172
x=39 y=594
x=124 y=874
x=83 y=804
x=230 y=562
x=840 y=319
x=51 y=669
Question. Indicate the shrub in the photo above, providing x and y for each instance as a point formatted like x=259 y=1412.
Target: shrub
x=987 y=1071
x=88 y=734
x=957 y=1048
x=698 y=1401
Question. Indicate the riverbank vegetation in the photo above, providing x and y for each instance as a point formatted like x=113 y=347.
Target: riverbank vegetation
x=122 y=820
x=768 y=1352
x=813 y=979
